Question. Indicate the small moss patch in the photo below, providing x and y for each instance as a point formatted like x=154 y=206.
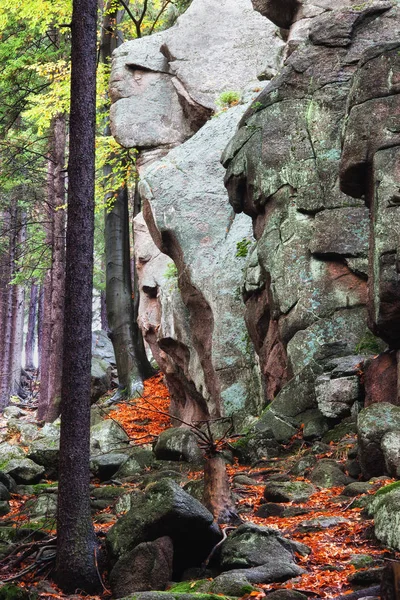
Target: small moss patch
x=388 y=488
x=189 y=587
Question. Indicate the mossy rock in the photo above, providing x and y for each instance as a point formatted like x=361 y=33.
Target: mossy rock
x=388 y=488
x=340 y=431
x=13 y=592
x=190 y=587
x=169 y=595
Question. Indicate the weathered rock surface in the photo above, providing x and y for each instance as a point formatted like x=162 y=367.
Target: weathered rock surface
x=146 y=567
x=164 y=88
x=384 y=509
x=166 y=510
x=261 y=548
x=288 y=491
x=286 y=169
x=178 y=443
x=327 y=474
x=373 y=423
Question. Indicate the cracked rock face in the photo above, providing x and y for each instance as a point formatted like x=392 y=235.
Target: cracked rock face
x=315 y=203
x=164 y=89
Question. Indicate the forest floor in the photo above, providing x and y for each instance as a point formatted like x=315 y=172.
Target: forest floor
x=328 y=567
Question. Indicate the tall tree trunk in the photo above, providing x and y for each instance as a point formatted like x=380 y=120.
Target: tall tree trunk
x=76 y=541
x=52 y=339
x=5 y=305
x=119 y=296
x=57 y=272
x=132 y=363
x=40 y=324
x=103 y=312
x=18 y=309
x=31 y=330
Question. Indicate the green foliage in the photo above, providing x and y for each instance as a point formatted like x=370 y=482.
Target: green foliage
x=228 y=98
x=242 y=248
x=369 y=344
x=171 y=272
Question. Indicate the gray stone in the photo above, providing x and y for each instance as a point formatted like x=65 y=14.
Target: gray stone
x=205 y=240
x=261 y=547
x=286 y=594
x=231 y=585
x=178 y=443
x=328 y=474
x=358 y=487
x=107 y=436
x=100 y=378
x=321 y=523
x=335 y=397
x=373 y=423
x=102 y=347
x=166 y=509
x=128 y=468
x=390 y=446
x=24 y=470
x=4 y=493
x=288 y=491
x=146 y=567
x=45 y=505
x=12 y=412
x=342 y=231
x=106 y=466
x=385 y=510
x=9 y=452
x=45 y=452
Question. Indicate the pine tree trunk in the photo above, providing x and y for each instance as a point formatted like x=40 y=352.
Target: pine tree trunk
x=18 y=310
x=76 y=541
x=5 y=315
x=31 y=330
x=57 y=272
x=40 y=324
x=52 y=338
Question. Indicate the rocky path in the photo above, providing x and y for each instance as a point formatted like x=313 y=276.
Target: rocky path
x=305 y=495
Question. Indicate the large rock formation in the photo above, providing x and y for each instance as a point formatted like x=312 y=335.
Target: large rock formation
x=307 y=198
x=165 y=88
x=315 y=165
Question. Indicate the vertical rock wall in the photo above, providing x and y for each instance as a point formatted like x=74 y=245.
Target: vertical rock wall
x=164 y=90
x=315 y=206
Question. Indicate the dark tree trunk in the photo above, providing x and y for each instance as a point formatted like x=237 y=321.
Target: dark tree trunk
x=40 y=324
x=31 y=330
x=76 y=541
x=5 y=314
x=18 y=308
x=52 y=341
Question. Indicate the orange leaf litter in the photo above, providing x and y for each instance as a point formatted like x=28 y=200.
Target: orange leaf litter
x=141 y=417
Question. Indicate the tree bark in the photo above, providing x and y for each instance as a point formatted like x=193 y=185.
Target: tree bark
x=76 y=541
x=18 y=309
x=5 y=314
x=217 y=493
x=119 y=296
x=52 y=339
x=31 y=330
